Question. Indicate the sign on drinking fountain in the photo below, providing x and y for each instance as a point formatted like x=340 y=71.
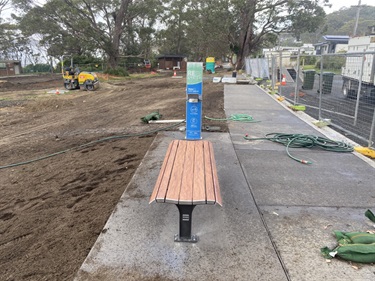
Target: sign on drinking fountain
x=194 y=89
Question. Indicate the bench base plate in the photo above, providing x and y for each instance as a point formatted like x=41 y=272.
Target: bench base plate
x=192 y=239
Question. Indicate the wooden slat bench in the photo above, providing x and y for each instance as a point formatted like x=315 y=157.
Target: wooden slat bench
x=188 y=177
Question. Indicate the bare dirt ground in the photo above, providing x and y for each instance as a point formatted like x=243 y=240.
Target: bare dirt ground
x=52 y=210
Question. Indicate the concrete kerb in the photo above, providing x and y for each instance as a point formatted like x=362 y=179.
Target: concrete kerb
x=327 y=131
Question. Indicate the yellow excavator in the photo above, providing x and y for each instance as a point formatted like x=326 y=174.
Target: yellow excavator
x=77 y=80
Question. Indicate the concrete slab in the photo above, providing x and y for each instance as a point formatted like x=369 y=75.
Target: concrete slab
x=137 y=242
x=301 y=205
x=273 y=117
x=300 y=232
x=240 y=97
x=334 y=179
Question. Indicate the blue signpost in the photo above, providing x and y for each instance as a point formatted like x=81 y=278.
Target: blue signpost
x=194 y=90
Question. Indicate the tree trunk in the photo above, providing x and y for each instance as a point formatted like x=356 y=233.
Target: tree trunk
x=119 y=17
x=247 y=33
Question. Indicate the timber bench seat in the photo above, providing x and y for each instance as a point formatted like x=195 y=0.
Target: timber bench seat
x=188 y=177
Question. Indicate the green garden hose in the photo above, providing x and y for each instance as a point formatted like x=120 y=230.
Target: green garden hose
x=235 y=117
x=308 y=141
x=88 y=144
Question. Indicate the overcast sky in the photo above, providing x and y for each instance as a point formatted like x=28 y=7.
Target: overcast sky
x=338 y=4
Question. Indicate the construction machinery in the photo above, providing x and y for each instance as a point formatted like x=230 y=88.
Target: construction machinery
x=80 y=80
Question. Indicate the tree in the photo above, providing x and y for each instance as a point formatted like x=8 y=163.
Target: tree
x=342 y=22
x=121 y=28
x=173 y=39
x=258 y=18
x=304 y=16
x=242 y=27
x=91 y=26
x=195 y=28
x=210 y=25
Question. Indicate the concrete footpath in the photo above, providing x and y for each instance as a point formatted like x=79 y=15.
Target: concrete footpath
x=276 y=214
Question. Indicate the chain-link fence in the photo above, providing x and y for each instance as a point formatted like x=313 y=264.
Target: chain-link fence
x=338 y=88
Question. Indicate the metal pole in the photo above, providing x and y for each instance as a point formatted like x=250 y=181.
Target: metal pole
x=320 y=87
x=359 y=90
x=357 y=18
x=370 y=142
x=296 y=90
x=273 y=69
x=280 y=66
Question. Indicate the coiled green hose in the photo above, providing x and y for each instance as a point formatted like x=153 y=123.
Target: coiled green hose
x=308 y=141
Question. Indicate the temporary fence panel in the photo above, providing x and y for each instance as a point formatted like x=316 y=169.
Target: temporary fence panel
x=257 y=67
x=339 y=87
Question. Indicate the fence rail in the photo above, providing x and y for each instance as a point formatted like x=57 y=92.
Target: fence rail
x=338 y=87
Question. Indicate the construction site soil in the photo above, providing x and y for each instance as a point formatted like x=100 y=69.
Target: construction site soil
x=52 y=210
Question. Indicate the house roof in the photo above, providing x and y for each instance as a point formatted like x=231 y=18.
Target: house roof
x=336 y=38
x=333 y=39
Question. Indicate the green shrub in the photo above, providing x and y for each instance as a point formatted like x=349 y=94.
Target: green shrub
x=309 y=60
x=332 y=62
x=40 y=67
x=118 y=71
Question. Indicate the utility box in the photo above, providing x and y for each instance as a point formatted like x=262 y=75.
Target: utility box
x=194 y=91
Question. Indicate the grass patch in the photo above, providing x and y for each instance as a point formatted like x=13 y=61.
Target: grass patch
x=309 y=67
x=317 y=69
x=5 y=99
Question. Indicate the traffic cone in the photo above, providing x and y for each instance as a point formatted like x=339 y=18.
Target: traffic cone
x=283 y=81
x=175 y=73
x=57 y=91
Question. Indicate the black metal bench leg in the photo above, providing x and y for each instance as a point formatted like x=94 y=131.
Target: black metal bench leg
x=185 y=224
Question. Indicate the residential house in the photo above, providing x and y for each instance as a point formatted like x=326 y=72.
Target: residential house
x=332 y=44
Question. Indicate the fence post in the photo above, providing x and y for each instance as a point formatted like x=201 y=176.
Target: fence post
x=320 y=87
x=359 y=89
x=280 y=66
x=372 y=130
x=273 y=65
x=296 y=90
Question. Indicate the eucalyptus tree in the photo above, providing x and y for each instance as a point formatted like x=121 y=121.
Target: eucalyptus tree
x=257 y=19
x=243 y=27
x=173 y=24
x=103 y=27
x=210 y=28
x=195 y=28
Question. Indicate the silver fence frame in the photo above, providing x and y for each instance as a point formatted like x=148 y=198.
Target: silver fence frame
x=366 y=134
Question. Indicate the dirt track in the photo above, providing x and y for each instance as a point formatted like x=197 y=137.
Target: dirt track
x=51 y=211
